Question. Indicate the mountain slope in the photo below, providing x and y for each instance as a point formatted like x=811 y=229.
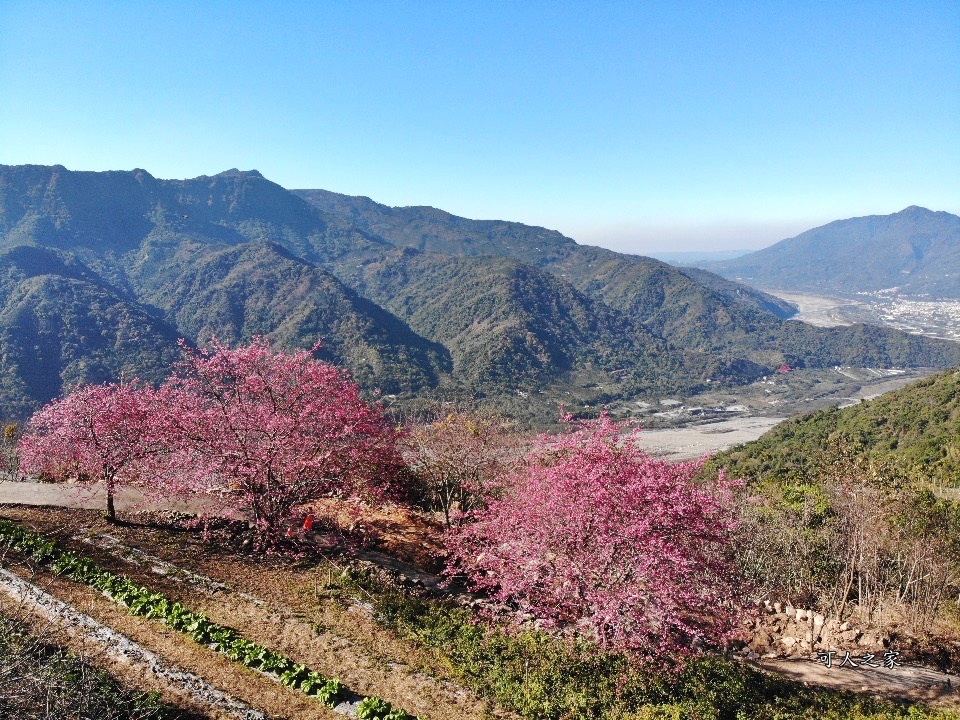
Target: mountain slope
x=490 y=307
x=733 y=327
x=139 y=238
x=433 y=230
x=60 y=324
x=507 y=322
x=916 y=429
x=110 y=213
x=258 y=288
x=915 y=250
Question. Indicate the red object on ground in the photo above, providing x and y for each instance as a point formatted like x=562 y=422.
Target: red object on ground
x=785 y=369
x=308 y=523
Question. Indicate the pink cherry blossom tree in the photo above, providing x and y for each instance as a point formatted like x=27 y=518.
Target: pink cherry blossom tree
x=267 y=431
x=95 y=434
x=596 y=535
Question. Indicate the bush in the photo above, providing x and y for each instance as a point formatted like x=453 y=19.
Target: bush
x=544 y=677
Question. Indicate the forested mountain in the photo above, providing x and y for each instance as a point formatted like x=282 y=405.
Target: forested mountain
x=60 y=324
x=194 y=258
x=259 y=288
x=734 y=331
x=916 y=251
x=915 y=429
x=507 y=322
x=101 y=272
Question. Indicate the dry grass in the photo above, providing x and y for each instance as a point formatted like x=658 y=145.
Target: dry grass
x=299 y=618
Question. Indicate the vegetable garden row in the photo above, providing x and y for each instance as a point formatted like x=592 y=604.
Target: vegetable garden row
x=143 y=602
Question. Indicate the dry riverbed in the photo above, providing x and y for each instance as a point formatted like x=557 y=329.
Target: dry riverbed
x=687 y=443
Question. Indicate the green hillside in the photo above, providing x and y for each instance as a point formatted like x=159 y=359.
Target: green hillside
x=915 y=251
x=60 y=324
x=258 y=288
x=915 y=429
x=411 y=300
x=508 y=323
x=737 y=331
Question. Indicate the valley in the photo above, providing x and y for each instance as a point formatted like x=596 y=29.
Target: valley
x=479 y=361
x=937 y=318
x=780 y=394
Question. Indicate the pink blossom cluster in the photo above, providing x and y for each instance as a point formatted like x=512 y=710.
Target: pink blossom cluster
x=254 y=428
x=597 y=536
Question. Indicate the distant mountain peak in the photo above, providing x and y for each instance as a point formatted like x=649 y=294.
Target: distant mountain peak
x=234 y=172
x=916 y=250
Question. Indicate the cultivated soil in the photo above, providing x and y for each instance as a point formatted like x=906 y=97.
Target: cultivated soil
x=284 y=606
x=295 y=608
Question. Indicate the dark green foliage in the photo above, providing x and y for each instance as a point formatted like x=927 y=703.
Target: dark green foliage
x=519 y=316
x=915 y=250
x=375 y=708
x=890 y=465
x=915 y=430
x=508 y=323
x=730 y=329
x=208 y=253
x=61 y=324
x=259 y=288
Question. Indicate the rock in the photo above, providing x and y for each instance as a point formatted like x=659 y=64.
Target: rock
x=818 y=621
x=788 y=641
x=844 y=626
x=761 y=641
x=778 y=608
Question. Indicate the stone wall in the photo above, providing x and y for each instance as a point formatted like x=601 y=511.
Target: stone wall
x=781 y=630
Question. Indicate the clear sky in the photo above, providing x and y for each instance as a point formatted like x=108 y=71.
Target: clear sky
x=641 y=126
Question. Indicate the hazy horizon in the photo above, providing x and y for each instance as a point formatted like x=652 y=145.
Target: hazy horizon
x=640 y=128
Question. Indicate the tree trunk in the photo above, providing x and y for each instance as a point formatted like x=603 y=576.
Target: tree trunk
x=111 y=511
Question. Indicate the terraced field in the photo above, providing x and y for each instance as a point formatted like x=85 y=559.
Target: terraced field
x=291 y=610
x=301 y=614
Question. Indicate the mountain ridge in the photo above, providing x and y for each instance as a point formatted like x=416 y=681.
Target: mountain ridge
x=417 y=301
x=915 y=251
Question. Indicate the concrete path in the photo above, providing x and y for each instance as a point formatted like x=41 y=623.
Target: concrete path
x=90 y=497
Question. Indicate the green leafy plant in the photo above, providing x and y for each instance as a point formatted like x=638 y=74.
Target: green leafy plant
x=376 y=708
x=143 y=602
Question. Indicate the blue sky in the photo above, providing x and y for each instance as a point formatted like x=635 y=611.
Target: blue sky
x=639 y=126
